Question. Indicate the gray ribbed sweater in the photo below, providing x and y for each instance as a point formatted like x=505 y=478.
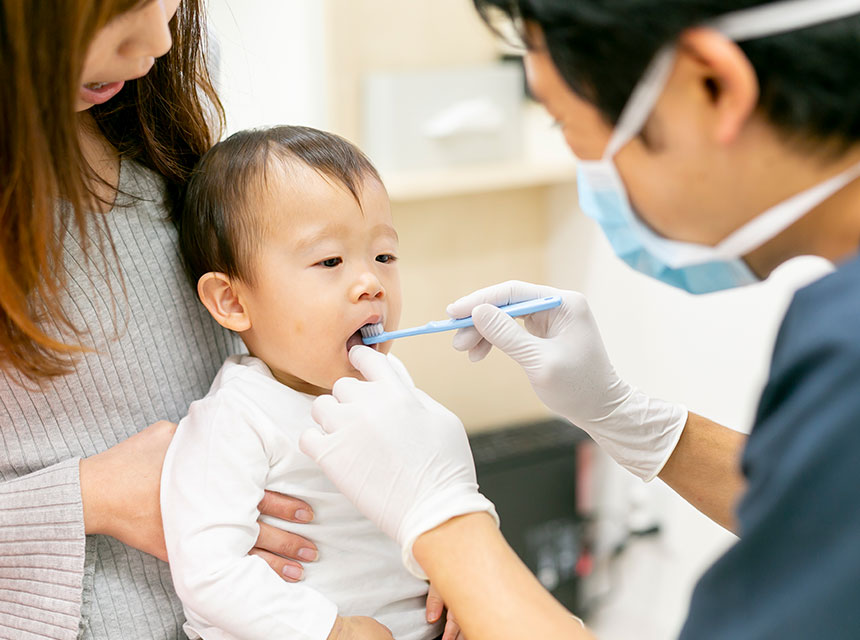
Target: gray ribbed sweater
x=54 y=581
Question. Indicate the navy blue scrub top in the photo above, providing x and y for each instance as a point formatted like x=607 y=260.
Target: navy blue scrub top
x=795 y=572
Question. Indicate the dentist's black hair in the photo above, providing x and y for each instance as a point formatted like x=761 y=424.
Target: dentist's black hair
x=218 y=228
x=808 y=78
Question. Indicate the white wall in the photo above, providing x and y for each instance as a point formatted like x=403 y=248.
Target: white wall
x=271 y=61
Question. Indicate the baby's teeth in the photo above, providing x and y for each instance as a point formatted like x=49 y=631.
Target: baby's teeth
x=95 y=85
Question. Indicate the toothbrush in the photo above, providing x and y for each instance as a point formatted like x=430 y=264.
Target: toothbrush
x=373 y=333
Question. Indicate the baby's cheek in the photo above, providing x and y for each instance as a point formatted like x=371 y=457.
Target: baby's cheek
x=296 y=328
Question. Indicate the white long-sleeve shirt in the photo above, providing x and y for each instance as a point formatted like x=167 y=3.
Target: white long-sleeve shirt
x=240 y=439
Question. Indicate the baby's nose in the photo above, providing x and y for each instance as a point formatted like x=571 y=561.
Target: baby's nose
x=369 y=286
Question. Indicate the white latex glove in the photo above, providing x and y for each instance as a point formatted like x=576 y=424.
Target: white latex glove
x=402 y=458
x=564 y=358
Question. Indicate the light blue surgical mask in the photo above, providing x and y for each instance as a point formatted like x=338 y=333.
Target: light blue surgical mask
x=699 y=268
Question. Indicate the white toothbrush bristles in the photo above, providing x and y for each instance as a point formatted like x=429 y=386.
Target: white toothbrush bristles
x=371 y=330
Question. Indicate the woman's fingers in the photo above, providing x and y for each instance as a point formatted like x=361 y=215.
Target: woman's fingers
x=435 y=609
x=452 y=629
x=283 y=550
x=288 y=569
x=285 y=544
x=285 y=507
x=435 y=606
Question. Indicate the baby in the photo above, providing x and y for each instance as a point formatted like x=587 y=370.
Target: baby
x=287 y=234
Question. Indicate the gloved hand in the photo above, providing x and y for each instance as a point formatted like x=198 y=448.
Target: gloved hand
x=564 y=358
x=402 y=458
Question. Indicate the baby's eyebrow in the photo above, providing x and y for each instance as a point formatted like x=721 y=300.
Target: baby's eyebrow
x=309 y=241
x=383 y=229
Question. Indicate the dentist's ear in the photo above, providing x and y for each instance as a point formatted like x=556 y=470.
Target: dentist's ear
x=729 y=78
x=218 y=294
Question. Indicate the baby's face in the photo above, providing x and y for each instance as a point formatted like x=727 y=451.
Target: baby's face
x=326 y=268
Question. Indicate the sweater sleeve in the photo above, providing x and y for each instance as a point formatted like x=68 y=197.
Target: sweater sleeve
x=42 y=545
x=213 y=479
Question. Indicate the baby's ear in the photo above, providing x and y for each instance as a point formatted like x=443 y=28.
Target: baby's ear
x=219 y=295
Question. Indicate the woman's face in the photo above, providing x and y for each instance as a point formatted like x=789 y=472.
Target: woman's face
x=125 y=49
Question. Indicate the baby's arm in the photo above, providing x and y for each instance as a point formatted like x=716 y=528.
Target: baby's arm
x=213 y=479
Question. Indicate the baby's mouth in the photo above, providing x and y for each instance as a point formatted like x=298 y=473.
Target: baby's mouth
x=355 y=339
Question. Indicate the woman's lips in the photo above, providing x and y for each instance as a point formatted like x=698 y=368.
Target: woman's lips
x=98 y=93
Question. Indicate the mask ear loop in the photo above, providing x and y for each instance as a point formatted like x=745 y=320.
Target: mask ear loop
x=756 y=22
x=781 y=17
x=642 y=100
x=778 y=218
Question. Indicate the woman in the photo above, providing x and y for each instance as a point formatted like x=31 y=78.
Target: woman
x=103 y=108
x=736 y=148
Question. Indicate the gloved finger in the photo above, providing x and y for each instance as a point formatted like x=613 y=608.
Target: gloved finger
x=498 y=295
x=433 y=406
x=348 y=389
x=503 y=331
x=326 y=412
x=314 y=444
x=402 y=373
x=372 y=364
x=480 y=351
x=466 y=339
x=573 y=310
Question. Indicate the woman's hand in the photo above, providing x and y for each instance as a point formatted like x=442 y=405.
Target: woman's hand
x=435 y=609
x=359 y=628
x=563 y=356
x=400 y=457
x=120 y=490
x=281 y=549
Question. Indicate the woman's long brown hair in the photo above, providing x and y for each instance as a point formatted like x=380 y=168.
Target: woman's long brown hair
x=161 y=120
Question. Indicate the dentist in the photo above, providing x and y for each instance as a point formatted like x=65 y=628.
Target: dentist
x=717 y=139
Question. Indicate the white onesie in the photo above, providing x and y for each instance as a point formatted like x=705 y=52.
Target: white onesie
x=240 y=439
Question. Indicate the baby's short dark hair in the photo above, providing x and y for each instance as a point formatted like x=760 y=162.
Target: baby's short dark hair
x=218 y=230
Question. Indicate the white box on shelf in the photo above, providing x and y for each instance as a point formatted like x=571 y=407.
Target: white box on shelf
x=441 y=118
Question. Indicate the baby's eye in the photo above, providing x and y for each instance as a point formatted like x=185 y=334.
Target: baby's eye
x=330 y=262
x=385 y=258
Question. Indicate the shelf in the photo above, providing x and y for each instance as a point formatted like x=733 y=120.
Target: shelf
x=456 y=181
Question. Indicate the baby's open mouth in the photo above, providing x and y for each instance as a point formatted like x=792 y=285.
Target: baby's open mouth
x=355 y=339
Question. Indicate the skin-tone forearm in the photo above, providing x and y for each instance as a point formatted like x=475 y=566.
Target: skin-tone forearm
x=490 y=591
x=120 y=489
x=705 y=469
x=493 y=594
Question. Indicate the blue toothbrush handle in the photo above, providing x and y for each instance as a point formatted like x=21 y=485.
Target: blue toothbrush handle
x=514 y=310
